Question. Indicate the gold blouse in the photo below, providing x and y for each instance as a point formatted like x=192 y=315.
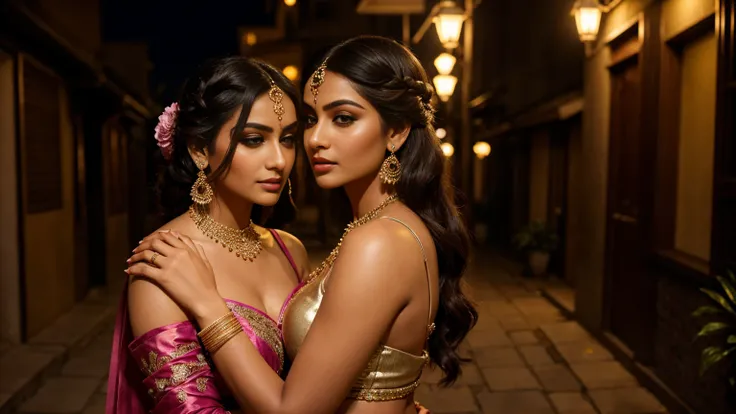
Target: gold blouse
x=391 y=374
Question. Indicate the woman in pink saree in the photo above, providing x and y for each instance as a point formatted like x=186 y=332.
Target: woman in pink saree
x=229 y=144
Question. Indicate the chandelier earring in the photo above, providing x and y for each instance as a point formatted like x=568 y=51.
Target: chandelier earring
x=390 y=172
x=201 y=190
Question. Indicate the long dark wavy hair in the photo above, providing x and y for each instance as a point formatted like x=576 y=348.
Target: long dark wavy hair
x=208 y=100
x=392 y=79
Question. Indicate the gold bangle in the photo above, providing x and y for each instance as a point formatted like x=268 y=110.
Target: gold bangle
x=216 y=328
x=223 y=339
x=220 y=330
x=216 y=334
x=209 y=328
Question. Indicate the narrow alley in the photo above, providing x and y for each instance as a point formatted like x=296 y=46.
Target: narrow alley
x=527 y=358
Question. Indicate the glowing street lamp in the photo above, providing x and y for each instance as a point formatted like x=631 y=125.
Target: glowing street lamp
x=449 y=23
x=482 y=149
x=587 y=18
x=444 y=63
x=447 y=149
x=291 y=72
x=251 y=38
x=444 y=85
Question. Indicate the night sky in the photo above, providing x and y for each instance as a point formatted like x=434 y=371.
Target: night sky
x=181 y=34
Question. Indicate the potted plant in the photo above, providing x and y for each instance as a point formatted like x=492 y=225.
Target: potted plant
x=537 y=241
x=724 y=326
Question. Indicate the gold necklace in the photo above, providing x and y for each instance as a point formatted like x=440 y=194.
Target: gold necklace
x=327 y=263
x=246 y=243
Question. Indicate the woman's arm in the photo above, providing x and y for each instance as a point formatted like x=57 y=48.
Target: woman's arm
x=367 y=290
x=176 y=376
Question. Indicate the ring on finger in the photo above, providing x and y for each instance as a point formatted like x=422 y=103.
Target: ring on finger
x=153 y=258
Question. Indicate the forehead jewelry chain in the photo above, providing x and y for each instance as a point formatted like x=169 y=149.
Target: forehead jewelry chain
x=277 y=97
x=318 y=78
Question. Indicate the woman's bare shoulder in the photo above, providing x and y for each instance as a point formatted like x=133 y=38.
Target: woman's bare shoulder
x=149 y=306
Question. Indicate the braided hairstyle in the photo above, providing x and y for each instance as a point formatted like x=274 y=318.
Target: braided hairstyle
x=391 y=78
x=208 y=100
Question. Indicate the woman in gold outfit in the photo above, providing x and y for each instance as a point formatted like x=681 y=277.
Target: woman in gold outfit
x=387 y=300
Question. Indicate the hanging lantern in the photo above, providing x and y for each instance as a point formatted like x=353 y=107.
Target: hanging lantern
x=449 y=24
x=444 y=63
x=444 y=85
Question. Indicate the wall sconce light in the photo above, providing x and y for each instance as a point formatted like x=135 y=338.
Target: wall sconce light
x=448 y=19
x=289 y=2
x=588 y=15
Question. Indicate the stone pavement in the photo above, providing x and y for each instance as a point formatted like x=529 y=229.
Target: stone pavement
x=527 y=358
x=63 y=369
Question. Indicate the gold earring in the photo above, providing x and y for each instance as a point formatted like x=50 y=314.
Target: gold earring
x=288 y=180
x=201 y=190
x=390 y=169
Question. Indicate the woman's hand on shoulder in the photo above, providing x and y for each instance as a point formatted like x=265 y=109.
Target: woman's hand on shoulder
x=179 y=267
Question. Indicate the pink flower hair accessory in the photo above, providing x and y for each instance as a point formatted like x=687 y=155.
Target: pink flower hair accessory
x=165 y=130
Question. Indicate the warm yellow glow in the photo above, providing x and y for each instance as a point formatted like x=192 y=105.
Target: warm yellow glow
x=251 y=39
x=588 y=19
x=444 y=63
x=289 y=2
x=441 y=133
x=444 y=85
x=447 y=149
x=482 y=149
x=449 y=24
x=291 y=72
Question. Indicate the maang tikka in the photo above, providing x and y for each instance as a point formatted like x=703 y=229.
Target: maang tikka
x=277 y=97
x=318 y=78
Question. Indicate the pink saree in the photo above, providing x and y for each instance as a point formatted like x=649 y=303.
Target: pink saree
x=166 y=370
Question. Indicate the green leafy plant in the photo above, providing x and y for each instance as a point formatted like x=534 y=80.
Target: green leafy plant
x=727 y=311
x=536 y=236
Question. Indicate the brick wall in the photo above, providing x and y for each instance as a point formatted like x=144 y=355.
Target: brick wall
x=678 y=357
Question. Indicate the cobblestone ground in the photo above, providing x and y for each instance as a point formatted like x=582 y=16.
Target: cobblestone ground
x=527 y=358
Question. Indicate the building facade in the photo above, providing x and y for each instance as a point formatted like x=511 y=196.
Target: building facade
x=74 y=114
x=654 y=201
